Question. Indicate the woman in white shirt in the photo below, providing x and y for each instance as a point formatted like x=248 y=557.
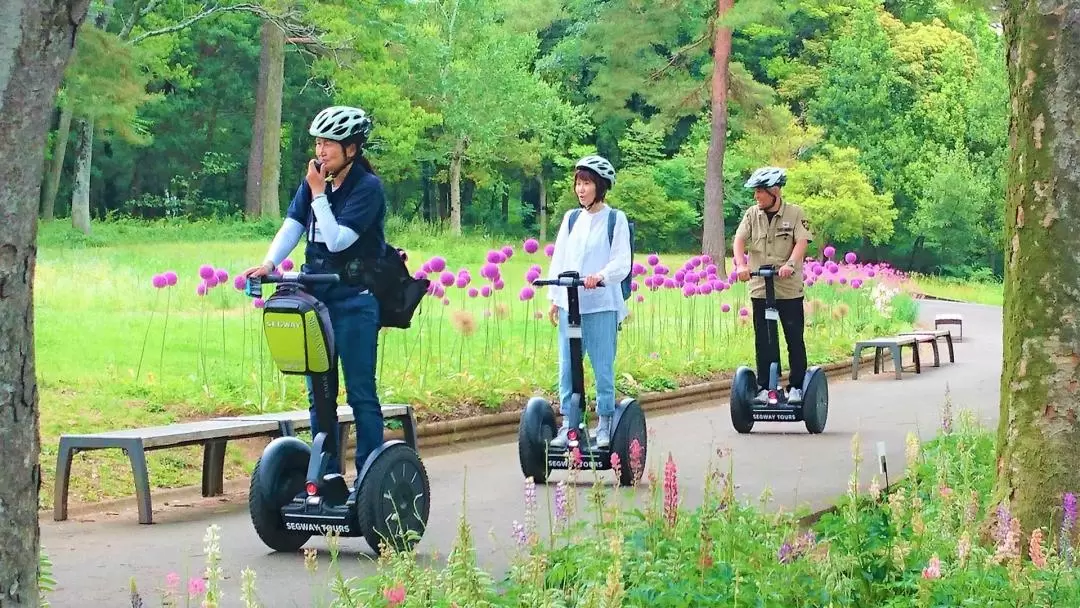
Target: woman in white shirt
x=587 y=248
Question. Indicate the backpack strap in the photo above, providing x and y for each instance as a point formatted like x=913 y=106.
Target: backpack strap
x=611 y=218
x=573 y=218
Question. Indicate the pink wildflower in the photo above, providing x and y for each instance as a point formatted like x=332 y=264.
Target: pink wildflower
x=1035 y=549
x=615 y=463
x=395 y=595
x=172 y=581
x=196 y=587
x=671 y=491
x=635 y=457
x=932 y=571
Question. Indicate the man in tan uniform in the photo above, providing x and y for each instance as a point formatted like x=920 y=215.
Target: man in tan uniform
x=777 y=233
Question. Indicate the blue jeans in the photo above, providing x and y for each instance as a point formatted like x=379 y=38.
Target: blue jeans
x=355 y=319
x=599 y=334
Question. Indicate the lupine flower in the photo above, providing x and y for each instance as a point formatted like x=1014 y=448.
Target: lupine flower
x=932 y=571
x=615 y=462
x=520 y=535
x=671 y=491
x=395 y=595
x=1035 y=549
x=963 y=548
x=560 y=501
x=636 y=452
x=196 y=587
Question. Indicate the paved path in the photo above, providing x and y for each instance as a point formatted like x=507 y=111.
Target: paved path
x=95 y=558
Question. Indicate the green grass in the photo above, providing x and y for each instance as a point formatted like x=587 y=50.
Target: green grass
x=113 y=352
x=954 y=289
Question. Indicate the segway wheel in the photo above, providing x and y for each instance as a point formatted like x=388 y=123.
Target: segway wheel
x=631 y=433
x=394 y=500
x=743 y=388
x=815 y=406
x=535 y=432
x=269 y=491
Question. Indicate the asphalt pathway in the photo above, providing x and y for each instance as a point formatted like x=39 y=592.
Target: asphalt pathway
x=95 y=556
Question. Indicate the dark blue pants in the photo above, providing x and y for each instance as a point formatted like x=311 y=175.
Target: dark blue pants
x=355 y=318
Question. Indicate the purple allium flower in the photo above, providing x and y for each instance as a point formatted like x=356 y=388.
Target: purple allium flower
x=446 y=278
x=438 y=263
x=462 y=281
x=526 y=293
x=420 y=275
x=531 y=245
x=549 y=250
x=239 y=281
x=725 y=307
x=170 y=277
x=850 y=257
x=508 y=251
x=221 y=275
x=485 y=291
x=498 y=283
x=743 y=312
x=206 y=271
x=159 y=281
x=531 y=276
x=287 y=264
x=653 y=259
x=201 y=289
x=489 y=270
x=473 y=292
x=829 y=251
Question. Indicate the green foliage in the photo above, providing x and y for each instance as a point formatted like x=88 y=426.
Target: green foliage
x=915 y=544
x=660 y=220
x=838 y=198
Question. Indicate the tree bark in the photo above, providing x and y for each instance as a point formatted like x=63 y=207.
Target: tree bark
x=455 y=187
x=712 y=239
x=543 y=207
x=36 y=40
x=264 y=156
x=80 y=193
x=1039 y=428
x=56 y=166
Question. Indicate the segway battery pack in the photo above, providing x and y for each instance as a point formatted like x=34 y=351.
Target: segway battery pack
x=297 y=330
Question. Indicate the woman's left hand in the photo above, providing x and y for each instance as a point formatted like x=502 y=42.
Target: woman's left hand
x=316 y=178
x=593 y=280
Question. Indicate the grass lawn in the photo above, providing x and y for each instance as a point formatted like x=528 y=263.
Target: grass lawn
x=953 y=289
x=114 y=352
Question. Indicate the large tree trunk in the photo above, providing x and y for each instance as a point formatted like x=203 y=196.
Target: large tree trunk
x=455 y=188
x=80 y=193
x=264 y=158
x=36 y=39
x=1039 y=429
x=713 y=241
x=56 y=166
x=543 y=207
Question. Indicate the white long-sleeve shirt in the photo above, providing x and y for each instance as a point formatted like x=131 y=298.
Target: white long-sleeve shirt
x=588 y=251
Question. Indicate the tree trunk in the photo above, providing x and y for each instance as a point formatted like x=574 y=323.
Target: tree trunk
x=36 y=39
x=1039 y=429
x=264 y=157
x=56 y=166
x=455 y=188
x=712 y=240
x=80 y=193
x=543 y=207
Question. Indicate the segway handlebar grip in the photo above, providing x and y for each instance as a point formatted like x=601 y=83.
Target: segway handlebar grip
x=303 y=278
x=563 y=282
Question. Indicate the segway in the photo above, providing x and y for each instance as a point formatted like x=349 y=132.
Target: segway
x=537 y=426
x=292 y=497
x=745 y=407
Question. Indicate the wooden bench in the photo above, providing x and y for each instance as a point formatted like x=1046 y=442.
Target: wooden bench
x=950 y=319
x=932 y=336
x=895 y=345
x=213 y=435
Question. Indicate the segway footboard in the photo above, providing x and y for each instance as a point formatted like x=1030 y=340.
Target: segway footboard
x=815 y=405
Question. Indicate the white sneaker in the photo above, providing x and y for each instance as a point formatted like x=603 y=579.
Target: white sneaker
x=794 y=396
x=603 y=432
x=762 y=396
x=562 y=439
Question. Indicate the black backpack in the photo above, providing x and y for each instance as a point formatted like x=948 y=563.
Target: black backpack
x=626 y=289
x=398 y=292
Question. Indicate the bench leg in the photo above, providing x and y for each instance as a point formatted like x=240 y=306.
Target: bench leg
x=878 y=361
x=898 y=360
x=948 y=340
x=854 y=364
x=137 y=455
x=213 y=467
x=408 y=427
x=915 y=356
x=937 y=355
x=63 y=475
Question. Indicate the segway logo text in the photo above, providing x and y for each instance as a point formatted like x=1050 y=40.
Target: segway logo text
x=319 y=528
x=560 y=463
x=775 y=417
x=283 y=324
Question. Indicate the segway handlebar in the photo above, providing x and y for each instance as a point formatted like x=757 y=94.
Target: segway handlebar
x=304 y=278
x=566 y=279
x=764 y=272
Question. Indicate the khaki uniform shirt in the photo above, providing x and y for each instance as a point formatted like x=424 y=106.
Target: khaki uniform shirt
x=771 y=242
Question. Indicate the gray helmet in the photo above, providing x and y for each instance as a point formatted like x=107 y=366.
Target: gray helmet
x=767 y=177
x=600 y=165
x=341 y=122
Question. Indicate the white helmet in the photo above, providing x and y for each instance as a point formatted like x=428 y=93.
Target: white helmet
x=600 y=165
x=341 y=122
x=767 y=177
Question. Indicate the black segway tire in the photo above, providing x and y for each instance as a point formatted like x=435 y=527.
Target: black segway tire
x=743 y=388
x=631 y=427
x=394 y=499
x=815 y=406
x=279 y=475
x=535 y=432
